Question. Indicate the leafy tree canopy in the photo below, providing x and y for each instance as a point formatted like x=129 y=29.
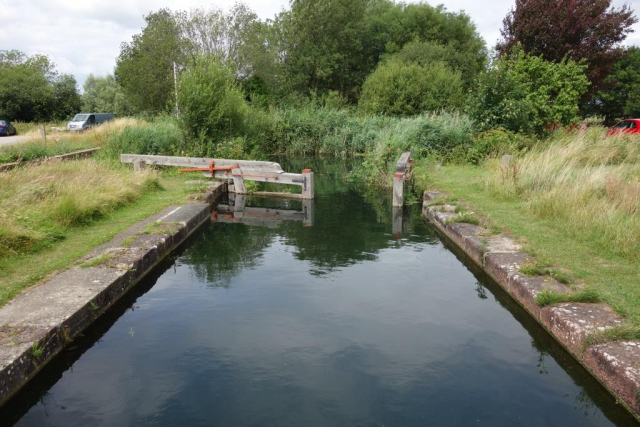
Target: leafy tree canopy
x=144 y=68
x=578 y=29
x=103 y=94
x=31 y=89
x=622 y=99
x=525 y=93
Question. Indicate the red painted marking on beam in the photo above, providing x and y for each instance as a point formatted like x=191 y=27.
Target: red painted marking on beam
x=398 y=175
x=306 y=170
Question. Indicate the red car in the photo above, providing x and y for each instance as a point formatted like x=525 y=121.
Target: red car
x=625 y=126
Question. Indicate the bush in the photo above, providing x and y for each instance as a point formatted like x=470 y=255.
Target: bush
x=211 y=103
x=427 y=53
x=524 y=93
x=162 y=136
x=496 y=142
x=400 y=89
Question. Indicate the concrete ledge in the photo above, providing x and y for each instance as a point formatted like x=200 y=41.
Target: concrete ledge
x=38 y=324
x=68 y=156
x=616 y=365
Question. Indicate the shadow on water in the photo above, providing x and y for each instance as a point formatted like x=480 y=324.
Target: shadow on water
x=37 y=390
x=340 y=209
x=593 y=397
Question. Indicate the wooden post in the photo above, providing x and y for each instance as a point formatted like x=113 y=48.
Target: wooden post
x=307 y=186
x=43 y=133
x=403 y=168
x=307 y=212
x=397 y=222
x=238 y=181
x=398 y=189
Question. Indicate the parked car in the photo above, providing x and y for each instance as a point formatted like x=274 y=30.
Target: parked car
x=84 y=121
x=625 y=126
x=7 y=128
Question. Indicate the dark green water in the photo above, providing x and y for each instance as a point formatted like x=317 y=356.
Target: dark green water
x=337 y=324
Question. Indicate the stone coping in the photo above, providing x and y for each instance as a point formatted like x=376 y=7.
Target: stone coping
x=615 y=364
x=39 y=323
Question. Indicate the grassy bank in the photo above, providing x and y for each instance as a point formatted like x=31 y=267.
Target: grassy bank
x=575 y=202
x=54 y=213
x=34 y=147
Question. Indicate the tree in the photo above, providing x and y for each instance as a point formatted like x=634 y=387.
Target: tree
x=578 y=29
x=427 y=53
x=66 y=100
x=401 y=89
x=236 y=37
x=323 y=44
x=333 y=45
x=525 y=93
x=103 y=94
x=31 y=89
x=212 y=105
x=144 y=68
x=622 y=99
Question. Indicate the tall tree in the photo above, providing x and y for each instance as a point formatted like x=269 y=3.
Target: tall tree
x=31 y=89
x=323 y=45
x=578 y=29
x=333 y=45
x=66 y=100
x=144 y=68
x=237 y=37
x=622 y=98
x=103 y=94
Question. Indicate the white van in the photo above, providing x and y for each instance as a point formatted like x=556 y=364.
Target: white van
x=84 y=121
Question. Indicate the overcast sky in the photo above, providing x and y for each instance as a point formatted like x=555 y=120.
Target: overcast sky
x=84 y=36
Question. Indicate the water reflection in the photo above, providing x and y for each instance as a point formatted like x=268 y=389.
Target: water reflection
x=335 y=324
x=235 y=211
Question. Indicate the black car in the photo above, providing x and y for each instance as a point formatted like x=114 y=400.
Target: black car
x=7 y=128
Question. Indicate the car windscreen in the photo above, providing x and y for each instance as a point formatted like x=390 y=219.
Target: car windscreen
x=3 y=123
x=80 y=118
x=622 y=125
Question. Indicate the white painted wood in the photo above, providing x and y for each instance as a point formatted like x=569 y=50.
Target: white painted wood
x=246 y=170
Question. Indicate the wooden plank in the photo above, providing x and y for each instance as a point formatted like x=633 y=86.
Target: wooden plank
x=68 y=156
x=200 y=162
x=276 y=195
x=404 y=162
x=398 y=190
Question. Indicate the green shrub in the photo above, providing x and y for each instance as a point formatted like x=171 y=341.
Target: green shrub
x=495 y=143
x=399 y=89
x=524 y=93
x=211 y=102
x=429 y=52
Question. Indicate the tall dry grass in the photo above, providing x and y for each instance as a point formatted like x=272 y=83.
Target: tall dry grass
x=39 y=203
x=587 y=181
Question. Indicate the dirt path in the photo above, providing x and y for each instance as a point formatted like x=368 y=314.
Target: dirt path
x=8 y=140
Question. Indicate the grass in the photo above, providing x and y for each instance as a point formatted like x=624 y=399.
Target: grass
x=547 y=297
x=466 y=217
x=36 y=350
x=540 y=269
x=620 y=333
x=49 y=230
x=100 y=259
x=64 y=142
x=574 y=199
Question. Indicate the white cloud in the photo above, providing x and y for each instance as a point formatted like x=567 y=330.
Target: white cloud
x=84 y=37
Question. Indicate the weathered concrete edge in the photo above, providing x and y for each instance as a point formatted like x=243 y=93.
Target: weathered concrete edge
x=615 y=365
x=67 y=156
x=180 y=222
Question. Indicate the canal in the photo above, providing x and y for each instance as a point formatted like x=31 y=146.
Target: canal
x=260 y=321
